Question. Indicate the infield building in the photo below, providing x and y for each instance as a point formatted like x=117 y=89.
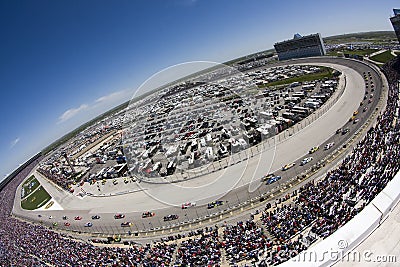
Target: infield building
x=301 y=46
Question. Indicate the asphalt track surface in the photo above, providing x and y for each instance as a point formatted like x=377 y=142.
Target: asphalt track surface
x=234 y=185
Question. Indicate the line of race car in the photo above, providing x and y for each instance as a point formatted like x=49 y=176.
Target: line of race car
x=146 y=214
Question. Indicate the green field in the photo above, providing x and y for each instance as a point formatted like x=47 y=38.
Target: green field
x=29 y=186
x=374 y=37
x=360 y=52
x=36 y=200
x=383 y=57
x=326 y=73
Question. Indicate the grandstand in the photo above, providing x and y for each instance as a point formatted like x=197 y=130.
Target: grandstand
x=300 y=46
x=11 y=176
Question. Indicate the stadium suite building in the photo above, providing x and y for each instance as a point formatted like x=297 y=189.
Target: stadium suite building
x=300 y=46
x=396 y=22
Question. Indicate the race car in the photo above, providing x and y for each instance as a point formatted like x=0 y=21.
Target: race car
x=170 y=217
x=119 y=216
x=288 y=166
x=214 y=204
x=329 y=145
x=313 y=149
x=273 y=179
x=306 y=160
x=126 y=224
x=88 y=224
x=188 y=205
x=267 y=177
x=345 y=131
x=78 y=218
x=148 y=214
x=95 y=217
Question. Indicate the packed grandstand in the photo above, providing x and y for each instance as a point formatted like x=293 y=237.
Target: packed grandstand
x=272 y=234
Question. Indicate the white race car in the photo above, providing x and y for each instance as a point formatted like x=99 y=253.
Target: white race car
x=329 y=145
x=188 y=205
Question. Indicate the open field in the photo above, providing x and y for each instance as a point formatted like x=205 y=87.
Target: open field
x=36 y=200
x=383 y=57
x=375 y=37
x=360 y=52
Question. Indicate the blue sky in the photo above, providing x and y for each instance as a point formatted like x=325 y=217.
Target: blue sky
x=64 y=62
